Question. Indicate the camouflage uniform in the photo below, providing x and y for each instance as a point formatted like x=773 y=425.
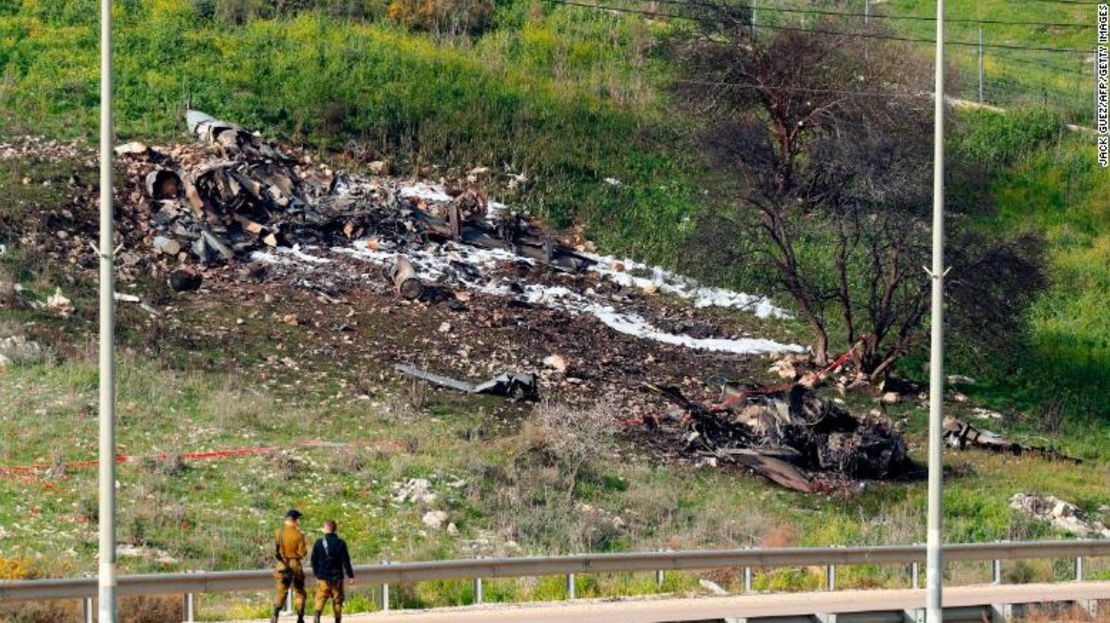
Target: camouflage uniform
x=290 y=548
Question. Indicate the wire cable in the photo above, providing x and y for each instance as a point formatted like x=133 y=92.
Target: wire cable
x=971 y=44
x=887 y=16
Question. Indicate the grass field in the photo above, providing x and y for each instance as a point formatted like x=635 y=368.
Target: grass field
x=566 y=97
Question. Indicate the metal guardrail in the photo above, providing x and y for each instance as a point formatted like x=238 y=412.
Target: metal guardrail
x=411 y=572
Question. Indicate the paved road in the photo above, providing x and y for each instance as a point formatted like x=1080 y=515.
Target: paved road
x=700 y=609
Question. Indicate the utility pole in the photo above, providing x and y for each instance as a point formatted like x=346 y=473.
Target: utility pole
x=107 y=411
x=980 y=65
x=934 y=569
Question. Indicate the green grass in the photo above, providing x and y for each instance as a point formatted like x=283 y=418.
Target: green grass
x=569 y=98
x=564 y=97
x=1049 y=182
x=1014 y=77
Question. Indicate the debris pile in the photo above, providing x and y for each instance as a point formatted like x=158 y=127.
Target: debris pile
x=792 y=437
x=237 y=200
x=515 y=385
x=389 y=261
x=1063 y=515
x=246 y=195
x=960 y=435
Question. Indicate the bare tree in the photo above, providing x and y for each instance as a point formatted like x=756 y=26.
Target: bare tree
x=827 y=139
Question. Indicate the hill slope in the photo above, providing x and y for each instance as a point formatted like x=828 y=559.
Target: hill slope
x=554 y=100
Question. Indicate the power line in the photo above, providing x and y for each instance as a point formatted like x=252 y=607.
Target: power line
x=886 y=16
x=753 y=86
x=970 y=44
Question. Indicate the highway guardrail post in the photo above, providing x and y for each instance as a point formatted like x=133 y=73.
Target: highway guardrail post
x=830 y=578
x=87 y=609
x=915 y=570
x=190 y=609
x=570 y=586
x=660 y=575
x=1078 y=568
x=1002 y=613
x=747 y=579
x=996 y=572
x=385 y=592
x=478 y=597
x=916 y=615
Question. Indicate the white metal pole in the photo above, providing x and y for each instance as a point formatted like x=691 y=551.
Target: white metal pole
x=107 y=467
x=934 y=571
x=867 y=12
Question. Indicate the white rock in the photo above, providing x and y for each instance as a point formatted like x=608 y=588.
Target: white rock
x=445 y=327
x=784 y=368
x=416 y=490
x=959 y=379
x=17 y=349
x=555 y=362
x=986 y=414
x=1063 y=509
x=59 y=304
x=890 y=398
x=434 y=519
x=712 y=587
x=134 y=147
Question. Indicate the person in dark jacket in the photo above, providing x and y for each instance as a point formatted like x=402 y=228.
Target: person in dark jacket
x=330 y=563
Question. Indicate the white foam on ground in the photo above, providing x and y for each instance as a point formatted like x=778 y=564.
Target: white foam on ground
x=468 y=266
x=621 y=272
x=285 y=256
x=559 y=297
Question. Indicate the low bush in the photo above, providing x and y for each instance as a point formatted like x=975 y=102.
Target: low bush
x=446 y=17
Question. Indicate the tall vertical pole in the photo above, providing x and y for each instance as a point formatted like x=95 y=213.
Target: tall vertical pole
x=934 y=570
x=980 y=65
x=107 y=463
x=753 y=18
x=867 y=12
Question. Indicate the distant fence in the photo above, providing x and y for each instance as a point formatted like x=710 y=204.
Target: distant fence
x=385 y=574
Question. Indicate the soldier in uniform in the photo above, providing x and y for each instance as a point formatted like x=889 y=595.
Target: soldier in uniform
x=330 y=563
x=290 y=548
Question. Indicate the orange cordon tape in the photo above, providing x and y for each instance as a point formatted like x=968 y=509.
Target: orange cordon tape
x=786 y=386
x=123 y=458
x=210 y=454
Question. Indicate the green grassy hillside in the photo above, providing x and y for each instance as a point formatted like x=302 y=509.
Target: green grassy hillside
x=564 y=97
x=567 y=97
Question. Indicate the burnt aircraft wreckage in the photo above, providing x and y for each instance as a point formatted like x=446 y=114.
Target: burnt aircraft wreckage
x=240 y=199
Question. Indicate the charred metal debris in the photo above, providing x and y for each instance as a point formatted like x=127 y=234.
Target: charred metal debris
x=246 y=195
x=237 y=195
x=792 y=437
